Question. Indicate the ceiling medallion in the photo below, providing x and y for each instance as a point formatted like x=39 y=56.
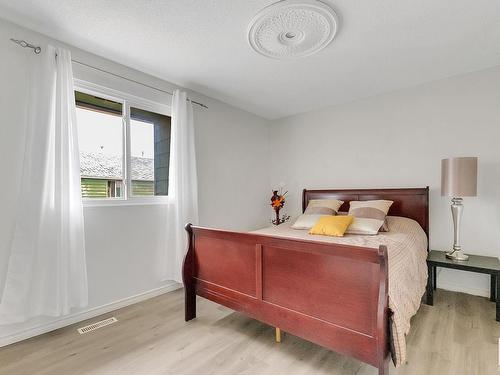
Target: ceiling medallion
x=292 y=28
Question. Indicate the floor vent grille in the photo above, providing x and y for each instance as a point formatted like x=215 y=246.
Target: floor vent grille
x=97 y=325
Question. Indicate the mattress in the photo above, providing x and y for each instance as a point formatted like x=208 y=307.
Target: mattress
x=406 y=244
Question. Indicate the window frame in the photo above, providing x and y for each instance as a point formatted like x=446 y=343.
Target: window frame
x=127 y=101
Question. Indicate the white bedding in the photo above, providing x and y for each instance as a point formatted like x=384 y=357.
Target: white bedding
x=407 y=252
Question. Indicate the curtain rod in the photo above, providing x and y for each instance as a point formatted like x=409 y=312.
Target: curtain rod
x=37 y=50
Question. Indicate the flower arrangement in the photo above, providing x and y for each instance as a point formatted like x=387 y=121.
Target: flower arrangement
x=277 y=203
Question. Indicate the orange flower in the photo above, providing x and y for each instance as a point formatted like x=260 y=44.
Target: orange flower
x=278 y=202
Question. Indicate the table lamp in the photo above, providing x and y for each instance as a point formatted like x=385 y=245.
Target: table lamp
x=458 y=179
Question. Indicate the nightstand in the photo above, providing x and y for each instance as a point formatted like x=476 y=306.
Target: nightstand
x=476 y=263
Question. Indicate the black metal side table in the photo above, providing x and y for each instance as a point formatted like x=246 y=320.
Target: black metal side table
x=476 y=263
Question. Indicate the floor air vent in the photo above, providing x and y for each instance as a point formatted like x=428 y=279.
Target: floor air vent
x=97 y=325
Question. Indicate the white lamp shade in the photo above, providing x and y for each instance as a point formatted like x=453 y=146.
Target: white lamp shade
x=459 y=177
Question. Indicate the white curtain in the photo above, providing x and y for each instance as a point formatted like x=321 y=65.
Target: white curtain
x=183 y=186
x=46 y=273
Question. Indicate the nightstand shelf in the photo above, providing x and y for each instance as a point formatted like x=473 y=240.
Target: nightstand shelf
x=476 y=263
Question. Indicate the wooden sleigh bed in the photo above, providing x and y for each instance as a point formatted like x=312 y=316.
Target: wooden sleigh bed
x=287 y=283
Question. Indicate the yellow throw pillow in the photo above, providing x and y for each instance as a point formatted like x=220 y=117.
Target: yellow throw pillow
x=332 y=225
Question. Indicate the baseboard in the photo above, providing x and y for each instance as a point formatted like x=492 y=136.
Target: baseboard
x=462 y=289
x=86 y=314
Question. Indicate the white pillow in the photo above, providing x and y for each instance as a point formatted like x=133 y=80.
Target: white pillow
x=306 y=221
x=315 y=209
x=369 y=216
x=361 y=225
x=316 y=206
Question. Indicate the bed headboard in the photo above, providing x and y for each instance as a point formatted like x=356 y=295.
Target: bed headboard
x=412 y=203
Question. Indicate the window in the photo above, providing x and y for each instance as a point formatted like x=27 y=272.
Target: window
x=100 y=138
x=149 y=150
x=124 y=148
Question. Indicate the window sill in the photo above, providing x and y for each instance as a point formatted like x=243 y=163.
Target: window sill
x=142 y=201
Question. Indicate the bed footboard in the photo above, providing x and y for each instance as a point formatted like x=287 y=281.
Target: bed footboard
x=333 y=295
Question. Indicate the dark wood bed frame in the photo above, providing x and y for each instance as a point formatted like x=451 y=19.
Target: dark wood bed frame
x=330 y=294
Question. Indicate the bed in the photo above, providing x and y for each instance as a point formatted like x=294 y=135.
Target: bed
x=330 y=293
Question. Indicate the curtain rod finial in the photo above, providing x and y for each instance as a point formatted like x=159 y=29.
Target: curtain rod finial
x=25 y=44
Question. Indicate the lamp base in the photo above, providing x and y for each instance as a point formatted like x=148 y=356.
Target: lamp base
x=457 y=255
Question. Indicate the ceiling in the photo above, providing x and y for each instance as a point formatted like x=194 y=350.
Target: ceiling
x=381 y=46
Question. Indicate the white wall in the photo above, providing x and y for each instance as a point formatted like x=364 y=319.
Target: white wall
x=124 y=244
x=398 y=140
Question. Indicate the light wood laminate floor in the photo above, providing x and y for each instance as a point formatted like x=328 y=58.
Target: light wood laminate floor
x=458 y=335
